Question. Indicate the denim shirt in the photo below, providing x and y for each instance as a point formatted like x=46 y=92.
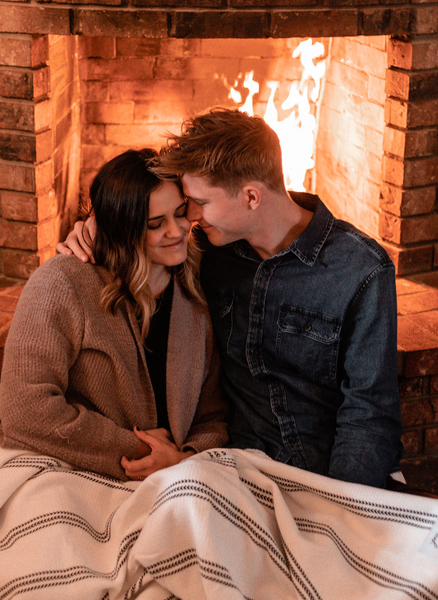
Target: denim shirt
x=307 y=340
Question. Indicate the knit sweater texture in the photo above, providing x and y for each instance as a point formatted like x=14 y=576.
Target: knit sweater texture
x=75 y=380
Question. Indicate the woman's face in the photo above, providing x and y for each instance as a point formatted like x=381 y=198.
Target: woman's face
x=168 y=229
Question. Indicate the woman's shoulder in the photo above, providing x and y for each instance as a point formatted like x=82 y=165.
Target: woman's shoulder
x=63 y=276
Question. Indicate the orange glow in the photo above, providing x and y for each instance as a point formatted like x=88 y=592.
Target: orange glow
x=296 y=132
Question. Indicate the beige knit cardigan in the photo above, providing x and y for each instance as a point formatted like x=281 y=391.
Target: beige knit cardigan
x=75 y=380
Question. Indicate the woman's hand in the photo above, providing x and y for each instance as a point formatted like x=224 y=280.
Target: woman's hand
x=164 y=453
x=80 y=240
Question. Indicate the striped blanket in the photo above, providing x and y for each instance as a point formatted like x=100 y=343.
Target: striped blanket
x=225 y=524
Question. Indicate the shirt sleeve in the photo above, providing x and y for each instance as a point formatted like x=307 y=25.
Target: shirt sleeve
x=367 y=444
x=43 y=343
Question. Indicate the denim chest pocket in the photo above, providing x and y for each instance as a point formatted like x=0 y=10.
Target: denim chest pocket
x=308 y=342
x=221 y=313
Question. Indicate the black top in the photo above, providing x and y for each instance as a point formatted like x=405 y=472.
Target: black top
x=156 y=352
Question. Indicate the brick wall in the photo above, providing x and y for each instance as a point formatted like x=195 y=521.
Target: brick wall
x=39 y=148
x=350 y=136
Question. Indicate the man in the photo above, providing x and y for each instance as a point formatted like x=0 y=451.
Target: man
x=303 y=306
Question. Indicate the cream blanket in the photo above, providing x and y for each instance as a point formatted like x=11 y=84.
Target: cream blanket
x=225 y=524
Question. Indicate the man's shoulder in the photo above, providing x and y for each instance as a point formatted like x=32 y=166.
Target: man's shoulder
x=350 y=238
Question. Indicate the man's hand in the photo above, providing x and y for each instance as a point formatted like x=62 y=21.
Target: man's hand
x=80 y=240
x=164 y=453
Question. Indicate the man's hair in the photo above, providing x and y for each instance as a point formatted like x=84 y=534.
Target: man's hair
x=228 y=147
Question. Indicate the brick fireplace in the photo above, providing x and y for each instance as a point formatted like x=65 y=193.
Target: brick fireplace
x=81 y=82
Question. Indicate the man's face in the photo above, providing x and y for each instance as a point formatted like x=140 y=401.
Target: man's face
x=221 y=216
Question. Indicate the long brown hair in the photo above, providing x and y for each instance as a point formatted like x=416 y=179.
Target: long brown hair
x=119 y=196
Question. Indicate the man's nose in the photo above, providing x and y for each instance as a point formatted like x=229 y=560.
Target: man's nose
x=193 y=211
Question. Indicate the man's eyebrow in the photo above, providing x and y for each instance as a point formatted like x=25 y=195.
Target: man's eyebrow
x=162 y=216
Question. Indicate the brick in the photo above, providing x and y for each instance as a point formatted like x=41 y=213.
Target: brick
x=15 y=52
x=41 y=83
x=96 y=156
x=425 y=20
x=316 y=23
x=219 y=24
x=410 y=260
x=434 y=385
x=100 y=47
x=30 y=19
x=410 y=144
x=16 y=115
x=95 y=91
x=417 y=54
x=14 y=146
x=8 y=303
x=17 y=177
x=357 y=53
x=423 y=114
x=134 y=69
x=410 y=173
x=417 y=303
x=412 y=441
x=44 y=145
x=16 y=263
x=411 y=86
x=431 y=440
x=15 y=234
x=39 y=50
x=106 y=23
x=408 y=230
x=404 y=203
x=16 y=83
x=43 y=112
x=44 y=177
x=93 y=134
x=46 y=233
x=19 y=207
x=385 y=21
x=138 y=91
x=411 y=387
x=122 y=112
x=350 y=78
x=142 y=48
x=138 y=135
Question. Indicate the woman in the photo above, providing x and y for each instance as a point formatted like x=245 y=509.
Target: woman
x=113 y=369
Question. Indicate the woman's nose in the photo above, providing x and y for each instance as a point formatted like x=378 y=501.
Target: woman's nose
x=175 y=228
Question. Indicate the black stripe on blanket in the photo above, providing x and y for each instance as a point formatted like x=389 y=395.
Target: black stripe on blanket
x=47 y=465
x=56 y=518
x=377 y=574
x=232 y=513
x=370 y=510
x=45 y=579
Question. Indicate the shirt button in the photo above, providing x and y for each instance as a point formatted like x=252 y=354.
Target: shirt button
x=307 y=327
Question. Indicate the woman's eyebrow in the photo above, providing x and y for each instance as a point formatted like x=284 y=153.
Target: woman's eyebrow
x=162 y=216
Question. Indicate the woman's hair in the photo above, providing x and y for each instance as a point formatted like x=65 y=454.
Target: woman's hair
x=228 y=147
x=119 y=196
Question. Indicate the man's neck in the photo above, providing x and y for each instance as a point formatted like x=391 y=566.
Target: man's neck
x=281 y=221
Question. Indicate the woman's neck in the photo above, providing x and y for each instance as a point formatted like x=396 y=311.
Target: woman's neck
x=158 y=279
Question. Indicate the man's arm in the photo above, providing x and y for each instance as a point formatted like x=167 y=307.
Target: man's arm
x=367 y=444
x=80 y=240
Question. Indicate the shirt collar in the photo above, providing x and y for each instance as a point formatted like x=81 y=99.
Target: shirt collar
x=308 y=245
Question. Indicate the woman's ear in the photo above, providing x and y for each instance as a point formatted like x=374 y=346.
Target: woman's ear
x=252 y=195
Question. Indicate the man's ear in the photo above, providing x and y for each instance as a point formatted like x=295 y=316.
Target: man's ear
x=252 y=195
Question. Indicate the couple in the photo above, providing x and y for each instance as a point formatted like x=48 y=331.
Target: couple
x=113 y=367
x=111 y=374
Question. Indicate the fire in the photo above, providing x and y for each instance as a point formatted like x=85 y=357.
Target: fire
x=296 y=132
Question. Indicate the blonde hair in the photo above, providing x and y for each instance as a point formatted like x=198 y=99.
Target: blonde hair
x=227 y=147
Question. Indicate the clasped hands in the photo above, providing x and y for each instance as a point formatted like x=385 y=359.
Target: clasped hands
x=156 y=450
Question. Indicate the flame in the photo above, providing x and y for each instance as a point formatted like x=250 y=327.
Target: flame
x=296 y=132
